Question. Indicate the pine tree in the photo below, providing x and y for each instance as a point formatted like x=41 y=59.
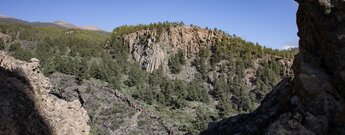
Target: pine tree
x=2 y=44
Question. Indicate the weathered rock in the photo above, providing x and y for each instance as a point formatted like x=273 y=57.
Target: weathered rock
x=151 y=48
x=313 y=102
x=111 y=111
x=28 y=108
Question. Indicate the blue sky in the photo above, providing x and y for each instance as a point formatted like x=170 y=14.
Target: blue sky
x=270 y=22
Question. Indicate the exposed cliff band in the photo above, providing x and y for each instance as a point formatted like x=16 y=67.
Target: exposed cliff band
x=150 y=48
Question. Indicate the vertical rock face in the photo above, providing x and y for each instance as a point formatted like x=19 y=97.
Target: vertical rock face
x=26 y=107
x=144 y=50
x=150 y=47
x=312 y=102
x=17 y=112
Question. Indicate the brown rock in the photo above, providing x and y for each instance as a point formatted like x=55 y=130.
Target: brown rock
x=150 y=48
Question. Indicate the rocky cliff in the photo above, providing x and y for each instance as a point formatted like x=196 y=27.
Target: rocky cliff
x=26 y=107
x=313 y=101
x=151 y=48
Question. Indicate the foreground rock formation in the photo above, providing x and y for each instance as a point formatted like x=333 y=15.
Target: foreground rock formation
x=312 y=102
x=26 y=107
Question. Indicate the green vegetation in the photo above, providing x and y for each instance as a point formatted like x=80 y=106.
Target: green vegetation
x=126 y=29
x=230 y=58
x=201 y=61
x=2 y=44
x=221 y=70
x=19 y=52
x=176 y=62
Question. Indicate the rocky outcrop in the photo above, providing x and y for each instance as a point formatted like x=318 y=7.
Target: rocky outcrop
x=313 y=102
x=26 y=107
x=150 y=48
x=111 y=111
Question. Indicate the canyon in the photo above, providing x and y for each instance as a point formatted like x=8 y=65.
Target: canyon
x=140 y=79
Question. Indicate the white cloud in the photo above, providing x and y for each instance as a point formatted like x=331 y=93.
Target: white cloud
x=290 y=44
x=285 y=47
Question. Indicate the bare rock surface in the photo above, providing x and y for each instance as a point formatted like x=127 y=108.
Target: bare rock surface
x=151 y=48
x=28 y=108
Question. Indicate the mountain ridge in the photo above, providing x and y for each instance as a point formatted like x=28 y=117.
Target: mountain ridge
x=59 y=23
x=72 y=26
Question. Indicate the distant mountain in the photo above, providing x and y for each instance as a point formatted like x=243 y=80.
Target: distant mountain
x=2 y=16
x=91 y=28
x=72 y=26
x=10 y=20
x=65 y=24
x=4 y=20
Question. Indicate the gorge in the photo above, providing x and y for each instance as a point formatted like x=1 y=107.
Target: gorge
x=172 y=78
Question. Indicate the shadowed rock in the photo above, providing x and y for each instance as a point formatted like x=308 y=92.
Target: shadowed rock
x=17 y=111
x=26 y=107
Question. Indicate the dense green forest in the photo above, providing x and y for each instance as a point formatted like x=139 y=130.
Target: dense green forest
x=101 y=55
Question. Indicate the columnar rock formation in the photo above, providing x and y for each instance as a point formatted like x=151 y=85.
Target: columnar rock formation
x=312 y=102
x=150 y=47
x=26 y=107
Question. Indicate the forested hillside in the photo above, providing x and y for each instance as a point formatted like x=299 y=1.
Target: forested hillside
x=187 y=75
